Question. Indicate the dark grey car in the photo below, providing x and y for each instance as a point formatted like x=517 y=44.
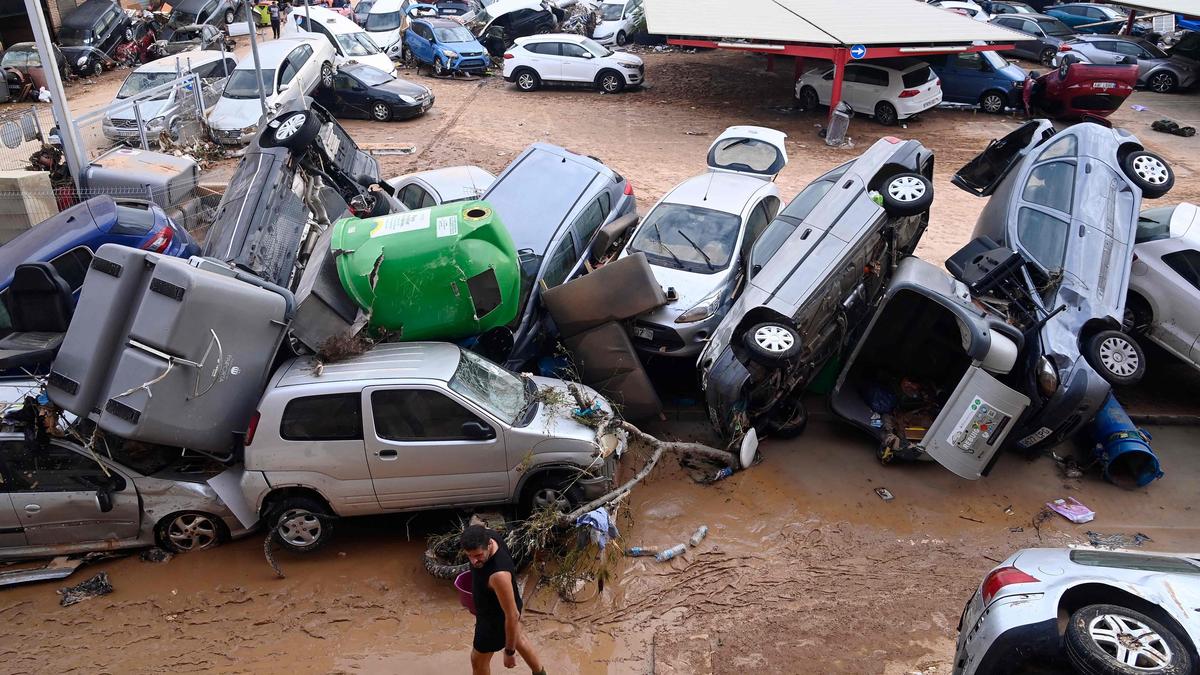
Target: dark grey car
x=90 y=34
x=1157 y=70
x=1046 y=36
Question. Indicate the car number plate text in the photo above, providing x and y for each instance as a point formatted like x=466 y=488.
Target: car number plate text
x=1105 y=85
x=643 y=333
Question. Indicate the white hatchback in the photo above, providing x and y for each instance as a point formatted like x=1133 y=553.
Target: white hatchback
x=1164 y=284
x=890 y=90
x=351 y=43
x=619 y=20
x=570 y=59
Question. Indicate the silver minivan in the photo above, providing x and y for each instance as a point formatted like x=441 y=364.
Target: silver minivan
x=414 y=426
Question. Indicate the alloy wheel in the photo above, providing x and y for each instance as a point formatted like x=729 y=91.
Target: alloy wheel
x=610 y=84
x=289 y=127
x=993 y=104
x=326 y=76
x=299 y=528
x=525 y=81
x=1151 y=169
x=550 y=497
x=774 y=339
x=1119 y=356
x=906 y=189
x=380 y=111
x=192 y=532
x=1130 y=642
x=1162 y=83
x=885 y=115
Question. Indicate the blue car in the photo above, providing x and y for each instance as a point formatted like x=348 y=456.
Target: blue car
x=68 y=240
x=985 y=79
x=1081 y=15
x=443 y=44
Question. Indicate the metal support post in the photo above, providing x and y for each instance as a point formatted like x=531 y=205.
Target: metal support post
x=73 y=147
x=262 y=94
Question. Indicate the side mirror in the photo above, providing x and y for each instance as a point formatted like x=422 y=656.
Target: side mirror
x=104 y=499
x=477 y=431
x=284 y=87
x=589 y=55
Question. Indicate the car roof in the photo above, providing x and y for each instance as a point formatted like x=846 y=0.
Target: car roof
x=438 y=22
x=332 y=21
x=551 y=37
x=272 y=53
x=449 y=181
x=719 y=191
x=391 y=361
x=168 y=64
x=86 y=14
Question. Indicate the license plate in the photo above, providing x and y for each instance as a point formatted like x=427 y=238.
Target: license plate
x=643 y=333
x=1035 y=437
x=1105 y=85
x=426 y=106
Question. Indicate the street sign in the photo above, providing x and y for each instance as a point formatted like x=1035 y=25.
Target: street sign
x=858 y=51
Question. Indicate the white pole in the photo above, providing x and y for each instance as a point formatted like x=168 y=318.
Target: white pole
x=262 y=96
x=73 y=147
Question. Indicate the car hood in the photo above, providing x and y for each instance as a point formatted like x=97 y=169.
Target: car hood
x=623 y=57
x=690 y=287
x=554 y=419
x=402 y=88
x=607 y=27
x=385 y=39
x=380 y=61
x=148 y=110
x=235 y=113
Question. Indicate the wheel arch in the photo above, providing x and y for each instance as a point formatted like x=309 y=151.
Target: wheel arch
x=1093 y=326
x=1127 y=148
x=223 y=533
x=891 y=169
x=565 y=470
x=1096 y=593
x=1135 y=301
x=614 y=71
x=276 y=495
x=762 y=314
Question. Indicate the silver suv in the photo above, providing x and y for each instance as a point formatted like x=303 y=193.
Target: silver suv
x=416 y=426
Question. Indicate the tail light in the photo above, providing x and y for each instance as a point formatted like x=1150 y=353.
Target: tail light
x=251 y=429
x=1064 y=47
x=508 y=55
x=162 y=239
x=1001 y=577
x=891 y=139
x=628 y=188
x=909 y=93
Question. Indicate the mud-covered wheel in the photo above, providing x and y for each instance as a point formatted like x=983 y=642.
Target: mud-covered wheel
x=1149 y=172
x=562 y=493
x=440 y=69
x=302 y=524
x=441 y=569
x=772 y=342
x=809 y=100
x=1117 y=357
x=907 y=194
x=788 y=419
x=189 y=531
x=97 y=69
x=1114 y=640
x=294 y=130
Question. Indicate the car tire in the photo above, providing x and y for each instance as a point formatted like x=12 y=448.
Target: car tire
x=441 y=570
x=809 y=100
x=1117 y=357
x=406 y=57
x=610 y=81
x=97 y=69
x=1149 y=172
x=527 y=79
x=885 y=114
x=992 y=103
x=301 y=524
x=327 y=75
x=1095 y=632
x=230 y=17
x=1162 y=82
x=906 y=194
x=1047 y=57
x=175 y=129
x=788 y=419
x=286 y=131
x=548 y=488
x=380 y=112
x=189 y=531
x=622 y=38
x=772 y=342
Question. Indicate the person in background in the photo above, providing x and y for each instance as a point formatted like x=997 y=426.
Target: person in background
x=275 y=11
x=498 y=603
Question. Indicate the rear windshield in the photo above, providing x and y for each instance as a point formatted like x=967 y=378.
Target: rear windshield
x=532 y=222
x=746 y=154
x=1134 y=561
x=1055 y=28
x=1154 y=224
x=242 y=85
x=688 y=238
x=917 y=77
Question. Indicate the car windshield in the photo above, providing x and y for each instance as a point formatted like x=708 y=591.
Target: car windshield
x=995 y=60
x=689 y=238
x=611 y=11
x=383 y=21
x=1154 y=224
x=20 y=58
x=810 y=196
x=357 y=44
x=502 y=393
x=69 y=37
x=1155 y=52
x=1055 y=28
x=453 y=34
x=595 y=47
x=372 y=76
x=136 y=83
x=242 y=85
x=180 y=19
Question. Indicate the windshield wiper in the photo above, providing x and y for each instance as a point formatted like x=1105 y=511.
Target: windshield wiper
x=531 y=399
x=707 y=260
x=663 y=246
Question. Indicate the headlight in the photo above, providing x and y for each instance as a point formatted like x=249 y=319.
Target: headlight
x=81 y=62
x=702 y=310
x=156 y=122
x=407 y=100
x=1047 y=378
x=631 y=66
x=450 y=53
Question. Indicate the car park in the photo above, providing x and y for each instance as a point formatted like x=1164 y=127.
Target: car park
x=444 y=45
x=890 y=90
x=171 y=109
x=465 y=431
x=197 y=37
x=291 y=69
x=1157 y=71
x=1091 y=17
x=351 y=44
x=985 y=79
x=500 y=23
x=441 y=186
x=698 y=239
x=815 y=276
x=1086 y=610
x=1047 y=36
x=366 y=92
x=90 y=34
x=619 y=21
x=1164 y=286
x=562 y=58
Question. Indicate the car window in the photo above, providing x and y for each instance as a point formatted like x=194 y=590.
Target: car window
x=872 y=76
x=333 y=417
x=916 y=78
x=133 y=218
x=343 y=82
x=969 y=61
x=810 y=196
x=287 y=71
x=757 y=223
x=1187 y=264
x=1043 y=236
x=1133 y=561
x=1012 y=23
x=493 y=388
x=55 y=469
x=413 y=196
x=573 y=50
x=562 y=260
x=418 y=415
x=770 y=242
x=1154 y=224
x=72 y=266
x=424 y=31
x=1051 y=184
x=690 y=238
x=1062 y=147
x=592 y=217
x=544 y=48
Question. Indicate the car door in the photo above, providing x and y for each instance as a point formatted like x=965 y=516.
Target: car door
x=12 y=532
x=545 y=59
x=869 y=88
x=423 y=452
x=1182 y=287
x=419 y=43
x=54 y=494
x=308 y=69
x=1030 y=49
x=970 y=77
x=578 y=64
x=349 y=95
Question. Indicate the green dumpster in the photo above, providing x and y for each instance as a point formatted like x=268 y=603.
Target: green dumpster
x=442 y=273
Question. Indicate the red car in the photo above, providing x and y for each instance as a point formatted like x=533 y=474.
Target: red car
x=1077 y=90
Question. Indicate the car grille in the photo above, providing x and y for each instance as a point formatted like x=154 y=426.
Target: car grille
x=1096 y=102
x=125 y=124
x=228 y=133
x=470 y=54
x=469 y=64
x=662 y=336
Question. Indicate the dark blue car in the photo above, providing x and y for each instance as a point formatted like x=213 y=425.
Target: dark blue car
x=985 y=79
x=1089 y=17
x=443 y=44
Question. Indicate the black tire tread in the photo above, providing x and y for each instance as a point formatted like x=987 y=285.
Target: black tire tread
x=1088 y=661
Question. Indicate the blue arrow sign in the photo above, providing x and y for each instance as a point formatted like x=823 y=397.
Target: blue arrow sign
x=858 y=51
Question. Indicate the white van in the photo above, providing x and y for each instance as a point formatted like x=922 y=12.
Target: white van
x=350 y=42
x=386 y=23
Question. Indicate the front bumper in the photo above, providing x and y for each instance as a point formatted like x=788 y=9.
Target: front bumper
x=471 y=64
x=402 y=111
x=676 y=339
x=233 y=136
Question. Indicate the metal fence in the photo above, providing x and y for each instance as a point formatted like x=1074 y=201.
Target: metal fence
x=22 y=130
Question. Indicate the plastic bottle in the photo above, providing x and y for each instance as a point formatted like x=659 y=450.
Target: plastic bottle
x=639 y=551
x=672 y=552
x=698 y=536
x=722 y=474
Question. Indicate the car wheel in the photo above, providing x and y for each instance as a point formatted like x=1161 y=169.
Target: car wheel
x=442 y=570
x=885 y=114
x=1113 y=640
x=230 y=16
x=175 y=129
x=294 y=130
x=1047 y=57
x=907 y=194
x=787 y=419
x=1117 y=357
x=1138 y=315
x=622 y=38
x=528 y=80
x=1163 y=82
x=550 y=491
x=610 y=81
x=380 y=112
x=97 y=69
x=809 y=99
x=439 y=68
x=1149 y=172
x=406 y=57
x=302 y=524
x=189 y=531
x=992 y=103
x=327 y=75
x=772 y=342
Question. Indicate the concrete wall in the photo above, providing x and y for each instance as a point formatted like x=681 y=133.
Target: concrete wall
x=26 y=199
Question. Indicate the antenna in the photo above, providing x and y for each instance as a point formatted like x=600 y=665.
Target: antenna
x=708 y=187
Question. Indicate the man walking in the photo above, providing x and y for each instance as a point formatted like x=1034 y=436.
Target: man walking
x=498 y=603
x=274 y=13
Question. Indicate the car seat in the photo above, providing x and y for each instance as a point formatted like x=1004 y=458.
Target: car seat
x=40 y=305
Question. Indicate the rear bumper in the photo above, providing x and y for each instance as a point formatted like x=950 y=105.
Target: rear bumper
x=995 y=645
x=906 y=108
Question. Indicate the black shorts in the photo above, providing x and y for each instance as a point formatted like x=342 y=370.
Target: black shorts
x=489 y=634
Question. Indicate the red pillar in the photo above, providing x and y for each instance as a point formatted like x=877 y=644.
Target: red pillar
x=799 y=68
x=1129 y=23
x=841 y=56
x=770 y=63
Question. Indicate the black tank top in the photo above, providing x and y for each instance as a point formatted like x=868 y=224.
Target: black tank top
x=486 y=602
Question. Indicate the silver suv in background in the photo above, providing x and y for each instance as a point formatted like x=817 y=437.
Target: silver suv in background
x=414 y=426
x=1157 y=70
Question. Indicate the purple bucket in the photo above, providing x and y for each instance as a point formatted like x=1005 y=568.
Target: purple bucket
x=462 y=584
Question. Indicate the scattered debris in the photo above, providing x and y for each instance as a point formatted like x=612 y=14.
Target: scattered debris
x=156 y=555
x=673 y=552
x=97 y=585
x=1016 y=529
x=1171 y=127
x=1072 y=509
x=641 y=552
x=973 y=520
x=1115 y=541
x=884 y=494
x=698 y=536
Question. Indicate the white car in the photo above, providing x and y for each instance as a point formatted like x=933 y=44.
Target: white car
x=351 y=43
x=965 y=8
x=1163 y=301
x=890 y=90
x=441 y=186
x=386 y=22
x=619 y=19
x=572 y=59
x=291 y=68
x=170 y=110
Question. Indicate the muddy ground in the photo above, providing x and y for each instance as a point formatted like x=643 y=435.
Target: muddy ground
x=805 y=569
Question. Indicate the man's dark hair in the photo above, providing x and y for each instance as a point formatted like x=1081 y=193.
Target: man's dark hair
x=474 y=537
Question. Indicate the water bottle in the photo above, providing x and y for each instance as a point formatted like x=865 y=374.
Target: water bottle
x=722 y=474
x=639 y=551
x=698 y=536
x=672 y=552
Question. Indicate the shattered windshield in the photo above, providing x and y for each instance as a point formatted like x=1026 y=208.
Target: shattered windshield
x=688 y=238
x=21 y=58
x=502 y=393
x=357 y=44
x=136 y=83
